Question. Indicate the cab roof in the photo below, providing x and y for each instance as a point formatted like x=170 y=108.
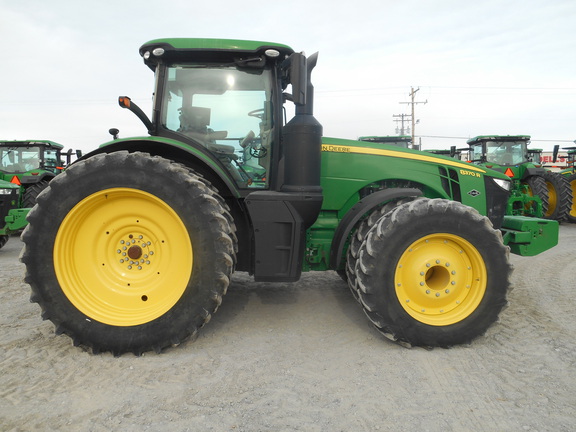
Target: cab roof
x=207 y=50
x=481 y=138
x=23 y=143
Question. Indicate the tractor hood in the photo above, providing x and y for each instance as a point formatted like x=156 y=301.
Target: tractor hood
x=7 y=185
x=380 y=149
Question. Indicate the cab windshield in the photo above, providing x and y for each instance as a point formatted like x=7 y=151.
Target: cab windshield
x=226 y=110
x=19 y=159
x=507 y=153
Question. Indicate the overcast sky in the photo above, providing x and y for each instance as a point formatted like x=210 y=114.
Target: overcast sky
x=484 y=67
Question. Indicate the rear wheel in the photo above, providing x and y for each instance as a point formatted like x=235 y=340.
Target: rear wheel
x=32 y=192
x=559 y=196
x=536 y=187
x=141 y=251
x=571 y=217
x=433 y=273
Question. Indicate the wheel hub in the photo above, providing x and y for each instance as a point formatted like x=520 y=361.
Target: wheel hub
x=435 y=276
x=135 y=251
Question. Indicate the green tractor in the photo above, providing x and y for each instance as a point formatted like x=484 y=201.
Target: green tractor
x=133 y=246
x=26 y=168
x=12 y=218
x=536 y=191
x=570 y=175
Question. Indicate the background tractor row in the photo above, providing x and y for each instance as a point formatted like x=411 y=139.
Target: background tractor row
x=26 y=168
x=536 y=191
x=133 y=247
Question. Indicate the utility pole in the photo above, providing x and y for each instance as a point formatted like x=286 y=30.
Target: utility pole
x=401 y=120
x=412 y=94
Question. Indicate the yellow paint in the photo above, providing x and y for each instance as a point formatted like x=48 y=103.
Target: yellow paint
x=398 y=154
x=123 y=257
x=440 y=279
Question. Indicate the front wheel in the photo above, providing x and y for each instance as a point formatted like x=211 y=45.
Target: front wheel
x=31 y=193
x=128 y=252
x=571 y=217
x=3 y=240
x=433 y=273
x=559 y=196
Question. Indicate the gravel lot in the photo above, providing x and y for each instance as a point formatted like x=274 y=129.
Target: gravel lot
x=302 y=356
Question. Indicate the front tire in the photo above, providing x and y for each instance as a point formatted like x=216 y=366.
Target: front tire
x=559 y=196
x=536 y=186
x=31 y=193
x=571 y=217
x=433 y=273
x=128 y=252
x=364 y=226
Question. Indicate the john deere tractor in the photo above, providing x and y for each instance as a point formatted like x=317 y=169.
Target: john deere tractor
x=26 y=168
x=535 y=190
x=12 y=219
x=133 y=247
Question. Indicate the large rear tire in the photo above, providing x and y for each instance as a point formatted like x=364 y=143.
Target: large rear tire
x=128 y=252
x=433 y=273
x=559 y=196
x=32 y=192
x=571 y=217
x=536 y=187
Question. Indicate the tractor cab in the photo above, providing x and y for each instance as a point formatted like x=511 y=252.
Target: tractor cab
x=225 y=98
x=20 y=157
x=505 y=151
x=535 y=156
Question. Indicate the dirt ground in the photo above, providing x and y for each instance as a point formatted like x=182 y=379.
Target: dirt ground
x=302 y=356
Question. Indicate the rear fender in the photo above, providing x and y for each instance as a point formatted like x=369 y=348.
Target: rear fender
x=197 y=158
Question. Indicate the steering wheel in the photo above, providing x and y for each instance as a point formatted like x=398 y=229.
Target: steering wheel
x=258 y=151
x=258 y=113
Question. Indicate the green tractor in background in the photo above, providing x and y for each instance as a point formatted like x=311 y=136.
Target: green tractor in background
x=12 y=218
x=536 y=192
x=26 y=168
x=133 y=246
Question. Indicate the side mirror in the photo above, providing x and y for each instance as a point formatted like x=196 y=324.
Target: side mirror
x=555 y=153
x=297 y=74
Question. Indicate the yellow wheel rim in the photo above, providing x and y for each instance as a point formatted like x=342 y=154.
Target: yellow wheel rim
x=123 y=257
x=573 y=208
x=552 y=199
x=440 y=279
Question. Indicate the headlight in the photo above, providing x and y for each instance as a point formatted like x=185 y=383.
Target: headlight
x=504 y=184
x=6 y=191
